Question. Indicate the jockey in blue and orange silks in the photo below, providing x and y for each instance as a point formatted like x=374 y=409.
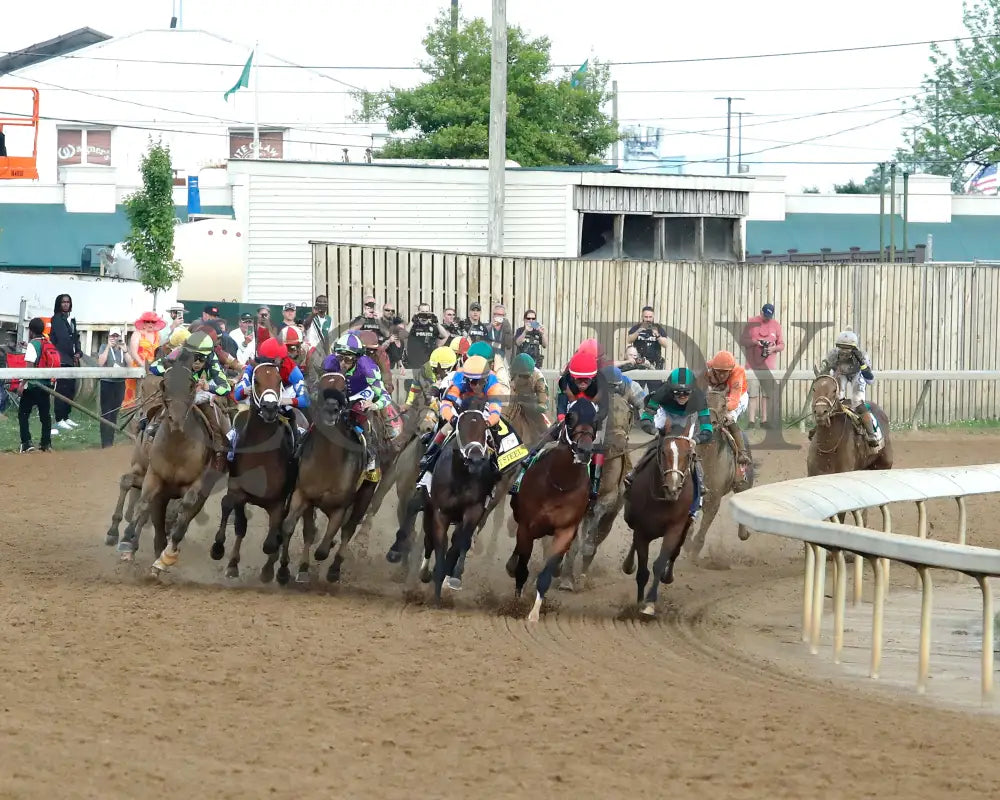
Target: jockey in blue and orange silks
x=475 y=380
x=365 y=390
x=271 y=351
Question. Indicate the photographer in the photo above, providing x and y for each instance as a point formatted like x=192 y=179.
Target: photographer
x=451 y=324
x=424 y=335
x=532 y=339
x=649 y=339
x=762 y=340
x=112 y=354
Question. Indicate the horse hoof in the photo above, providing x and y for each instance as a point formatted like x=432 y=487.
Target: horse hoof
x=648 y=610
x=455 y=584
x=566 y=585
x=425 y=575
x=125 y=546
x=267 y=573
x=333 y=574
x=111 y=539
x=668 y=577
x=270 y=546
x=157 y=569
x=393 y=556
x=743 y=533
x=321 y=555
x=284 y=576
x=218 y=551
x=511 y=565
x=127 y=556
x=232 y=571
x=302 y=576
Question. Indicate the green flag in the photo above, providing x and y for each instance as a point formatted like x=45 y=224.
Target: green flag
x=579 y=73
x=244 y=80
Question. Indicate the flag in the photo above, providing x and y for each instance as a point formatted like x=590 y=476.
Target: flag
x=244 y=80
x=575 y=81
x=984 y=181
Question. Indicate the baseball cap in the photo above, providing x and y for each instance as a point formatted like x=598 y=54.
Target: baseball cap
x=475 y=307
x=768 y=310
x=246 y=317
x=211 y=309
x=290 y=306
x=176 y=307
x=115 y=332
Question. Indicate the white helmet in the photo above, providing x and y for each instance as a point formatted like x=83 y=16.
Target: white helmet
x=847 y=339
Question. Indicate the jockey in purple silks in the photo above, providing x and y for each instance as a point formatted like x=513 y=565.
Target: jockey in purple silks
x=365 y=389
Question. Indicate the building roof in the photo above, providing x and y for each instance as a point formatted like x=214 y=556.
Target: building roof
x=966 y=238
x=43 y=51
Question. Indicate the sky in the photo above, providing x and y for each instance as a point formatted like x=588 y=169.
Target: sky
x=785 y=99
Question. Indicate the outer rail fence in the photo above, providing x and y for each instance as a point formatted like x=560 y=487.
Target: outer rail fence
x=807 y=510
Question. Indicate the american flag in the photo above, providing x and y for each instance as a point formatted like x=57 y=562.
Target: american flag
x=985 y=181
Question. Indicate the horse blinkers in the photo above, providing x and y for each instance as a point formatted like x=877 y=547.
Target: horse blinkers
x=580 y=438
x=266 y=400
x=334 y=403
x=473 y=452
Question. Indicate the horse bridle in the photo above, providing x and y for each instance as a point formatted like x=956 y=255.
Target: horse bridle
x=674 y=470
x=268 y=395
x=467 y=448
x=575 y=447
x=824 y=400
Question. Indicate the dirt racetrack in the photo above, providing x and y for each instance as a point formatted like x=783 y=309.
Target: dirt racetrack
x=116 y=686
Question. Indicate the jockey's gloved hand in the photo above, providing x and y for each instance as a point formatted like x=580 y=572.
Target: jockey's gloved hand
x=648 y=426
x=704 y=437
x=202 y=397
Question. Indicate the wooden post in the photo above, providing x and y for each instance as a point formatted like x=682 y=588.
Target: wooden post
x=699 y=239
x=618 y=250
x=498 y=128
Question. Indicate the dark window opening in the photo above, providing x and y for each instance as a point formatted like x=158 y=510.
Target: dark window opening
x=597 y=239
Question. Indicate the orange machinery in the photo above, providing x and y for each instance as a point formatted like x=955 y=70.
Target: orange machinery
x=19 y=167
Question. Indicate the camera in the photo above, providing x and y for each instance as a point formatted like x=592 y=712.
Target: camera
x=765 y=347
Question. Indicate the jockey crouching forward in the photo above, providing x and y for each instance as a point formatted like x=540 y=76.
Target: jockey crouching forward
x=392 y=423
x=726 y=376
x=474 y=381
x=433 y=380
x=527 y=384
x=213 y=385
x=668 y=410
x=271 y=351
x=850 y=365
x=365 y=389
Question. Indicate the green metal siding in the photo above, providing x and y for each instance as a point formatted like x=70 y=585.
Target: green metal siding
x=47 y=235
x=965 y=238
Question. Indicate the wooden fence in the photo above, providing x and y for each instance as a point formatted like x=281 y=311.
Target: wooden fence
x=909 y=316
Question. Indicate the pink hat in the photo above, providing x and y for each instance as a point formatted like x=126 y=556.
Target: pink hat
x=150 y=316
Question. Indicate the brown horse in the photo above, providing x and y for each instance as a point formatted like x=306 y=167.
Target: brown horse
x=658 y=505
x=552 y=499
x=722 y=476
x=331 y=477
x=460 y=485
x=837 y=444
x=262 y=473
x=179 y=467
x=610 y=500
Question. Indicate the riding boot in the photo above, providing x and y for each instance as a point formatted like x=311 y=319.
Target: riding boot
x=597 y=466
x=529 y=459
x=699 y=488
x=742 y=456
x=644 y=459
x=868 y=420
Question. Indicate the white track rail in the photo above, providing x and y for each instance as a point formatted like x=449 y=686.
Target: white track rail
x=807 y=509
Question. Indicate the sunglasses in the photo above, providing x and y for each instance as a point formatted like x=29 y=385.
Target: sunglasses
x=681 y=393
x=530 y=319
x=389 y=310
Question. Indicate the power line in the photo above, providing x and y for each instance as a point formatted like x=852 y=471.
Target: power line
x=633 y=63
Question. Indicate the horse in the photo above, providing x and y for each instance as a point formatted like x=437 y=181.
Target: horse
x=552 y=499
x=838 y=444
x=610 y=500
x=262 y=473
x=461 y=483
x=722 y=475
x=658 y=504
x=331 y=477
x=180 y=466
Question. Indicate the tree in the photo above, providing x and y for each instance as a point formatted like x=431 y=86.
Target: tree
x=810 y=190
x=151 y=214
x=959 y=107
x=549 y=121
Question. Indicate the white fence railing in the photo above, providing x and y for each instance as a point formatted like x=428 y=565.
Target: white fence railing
x=808 y=509
x=26 y=373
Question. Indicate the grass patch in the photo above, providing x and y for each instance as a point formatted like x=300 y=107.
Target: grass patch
x=970 y=425
x=84 y=437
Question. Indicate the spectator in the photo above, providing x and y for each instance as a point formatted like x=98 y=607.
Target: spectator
x=632 y=360
x=39 y=352
x=243 y=339
x=474 y=327
x=112 y=354
x=176 y=312
x=393 y=334
x=318 y=324
x=145 y=339
x=209 y=312
x=288 y=317
x=66 y=340
x=449 y=321
x=762 y=340
x=263 y=329
x=532 y=338
x=423 y=335
x=368 y=320
x=649 y=338
x=499 y=334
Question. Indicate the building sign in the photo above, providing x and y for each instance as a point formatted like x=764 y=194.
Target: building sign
x=241 y=144
x=83 y=147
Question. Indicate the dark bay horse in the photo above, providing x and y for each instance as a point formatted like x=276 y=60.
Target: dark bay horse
x=552 y=500
x=180 y=466
x=261 y=473
x=658 y=505
x=463 y=478
x=722 y=476
x=331 y=477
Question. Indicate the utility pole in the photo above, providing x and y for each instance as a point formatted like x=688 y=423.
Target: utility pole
x=614 y=116
x=739 y=139
x=498 y=128
x=729 y=127
x=892 y=213
x=454 y=35
x=881 y=211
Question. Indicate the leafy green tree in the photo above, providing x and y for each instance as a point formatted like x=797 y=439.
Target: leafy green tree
x=550 y=121
x=810 y=190
x=959 y=106
x=151 y=214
